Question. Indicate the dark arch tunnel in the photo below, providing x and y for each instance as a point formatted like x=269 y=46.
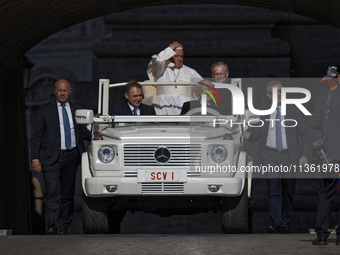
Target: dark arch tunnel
x=24 y=23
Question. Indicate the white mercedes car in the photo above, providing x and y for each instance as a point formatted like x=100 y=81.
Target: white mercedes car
x=164 y=165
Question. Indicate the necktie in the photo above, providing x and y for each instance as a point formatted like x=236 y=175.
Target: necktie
x=67 y=128
x=278 y=131
x=134 y=111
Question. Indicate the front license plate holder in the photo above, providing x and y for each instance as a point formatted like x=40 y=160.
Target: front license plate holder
x=162 y=176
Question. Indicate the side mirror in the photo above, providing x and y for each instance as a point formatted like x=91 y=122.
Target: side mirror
x=84 y=116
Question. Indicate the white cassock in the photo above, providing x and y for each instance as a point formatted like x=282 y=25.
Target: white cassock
x=161 y=69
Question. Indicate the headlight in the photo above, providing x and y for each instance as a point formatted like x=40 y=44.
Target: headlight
x=219 y=153
x=106 y=154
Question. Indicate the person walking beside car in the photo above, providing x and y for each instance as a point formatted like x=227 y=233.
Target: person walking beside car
x=133 y=103
x=168 y=66
x=280 y=146
x=325 y=118
x=57 y=144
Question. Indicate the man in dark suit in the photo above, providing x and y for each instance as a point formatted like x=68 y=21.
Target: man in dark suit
x=133 y=103
x=279 y=146
x=220 y=73
x=57 y=144
x=203 y=88
x=326 y=119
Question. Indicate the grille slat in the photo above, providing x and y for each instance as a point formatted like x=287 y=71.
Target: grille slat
x=163 y=188
x=144 y=155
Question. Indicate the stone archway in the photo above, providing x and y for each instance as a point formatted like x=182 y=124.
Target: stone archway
x=25 y=23
x=22 y=25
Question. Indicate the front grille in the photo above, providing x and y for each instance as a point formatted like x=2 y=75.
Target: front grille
x=144 y=154
x=162 y=188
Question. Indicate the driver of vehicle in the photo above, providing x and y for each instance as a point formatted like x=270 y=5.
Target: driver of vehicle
x=133 y=104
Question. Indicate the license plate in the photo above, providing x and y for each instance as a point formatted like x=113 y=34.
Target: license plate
x=162 y=176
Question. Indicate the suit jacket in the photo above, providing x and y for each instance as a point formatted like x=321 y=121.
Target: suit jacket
x=124 y=109
x=330 y=127
x=298 y=137
x=46 y=141
x=225 y=96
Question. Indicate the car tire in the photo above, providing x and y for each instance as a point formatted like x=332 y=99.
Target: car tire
x=95 y=218
x=235 y=213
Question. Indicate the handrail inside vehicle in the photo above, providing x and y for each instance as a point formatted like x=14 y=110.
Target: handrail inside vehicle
x=104 y=86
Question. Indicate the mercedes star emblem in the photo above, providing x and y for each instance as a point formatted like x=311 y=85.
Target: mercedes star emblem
x=162 y=155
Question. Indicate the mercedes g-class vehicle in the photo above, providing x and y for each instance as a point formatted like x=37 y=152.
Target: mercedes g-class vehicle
x=163 y=164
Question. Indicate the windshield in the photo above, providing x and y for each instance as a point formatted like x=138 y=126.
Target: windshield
x=230 y=124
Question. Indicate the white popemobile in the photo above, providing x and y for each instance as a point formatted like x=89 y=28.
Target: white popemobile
x=164 y=165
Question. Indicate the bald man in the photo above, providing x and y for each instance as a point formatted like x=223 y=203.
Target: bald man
x=57 y=145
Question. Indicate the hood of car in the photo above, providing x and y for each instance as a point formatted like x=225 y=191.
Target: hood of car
x=164 y=132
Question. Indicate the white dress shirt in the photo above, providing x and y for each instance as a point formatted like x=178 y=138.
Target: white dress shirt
x=271 y=140
x=132 y=108
x=61 y=121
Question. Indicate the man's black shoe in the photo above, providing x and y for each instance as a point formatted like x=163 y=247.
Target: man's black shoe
x=285 y=230
x=63 y=232
x=337 y=242
x=274 y=229
x=51 y=231
x=320 y=241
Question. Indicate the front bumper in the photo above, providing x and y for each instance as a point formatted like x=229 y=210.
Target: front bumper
x=129 y=186
x=96 y=186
